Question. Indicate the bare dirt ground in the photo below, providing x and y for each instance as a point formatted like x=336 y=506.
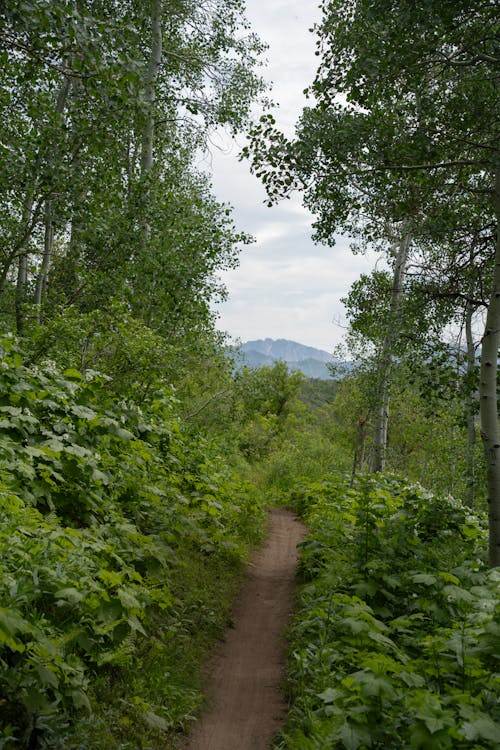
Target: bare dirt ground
x=245 y=701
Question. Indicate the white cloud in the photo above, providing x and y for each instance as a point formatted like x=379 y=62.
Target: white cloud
x=271 y=231
x=286 y=299
x=286 y=285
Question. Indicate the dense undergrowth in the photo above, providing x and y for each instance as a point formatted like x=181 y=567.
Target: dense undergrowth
x=121 y=540
x=123 y=530
x=395 y=644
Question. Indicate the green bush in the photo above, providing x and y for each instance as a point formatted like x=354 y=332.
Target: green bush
x=394 y=642
x=102 y=503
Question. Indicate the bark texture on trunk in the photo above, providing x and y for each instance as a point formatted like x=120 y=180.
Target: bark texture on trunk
x=470 y=468
x=43 y=274
x=150 y=90
x=386 y=355
x=22 y=267
x=488 y=398
x=148 y=136
x=41 y=283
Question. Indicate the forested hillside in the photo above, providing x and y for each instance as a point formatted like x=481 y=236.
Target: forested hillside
x=136 y=463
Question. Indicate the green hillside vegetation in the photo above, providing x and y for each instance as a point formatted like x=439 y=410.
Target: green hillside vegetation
x=124 y=527
x=121 y=541
x=136 y=466
x=395 y=643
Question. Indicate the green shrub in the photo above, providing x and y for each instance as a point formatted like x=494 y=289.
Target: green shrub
x=102 y=503
x=393 y=645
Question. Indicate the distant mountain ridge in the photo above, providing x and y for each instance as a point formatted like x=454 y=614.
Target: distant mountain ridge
x=309 y=360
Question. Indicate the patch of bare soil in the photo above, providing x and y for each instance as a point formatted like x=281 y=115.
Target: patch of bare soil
x=245 y=699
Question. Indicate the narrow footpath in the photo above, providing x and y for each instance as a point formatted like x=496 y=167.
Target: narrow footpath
x=245 y=686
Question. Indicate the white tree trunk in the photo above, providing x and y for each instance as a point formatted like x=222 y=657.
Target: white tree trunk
x=22 y=268
x=150 y=97
x=41 y=282
x=148 y=134
x=470 y=405
x=386 y=355
x=488 y=398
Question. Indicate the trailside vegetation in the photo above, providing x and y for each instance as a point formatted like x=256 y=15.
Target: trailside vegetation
x=123 y=524
x=137 y=461
x=395 y=640
x=120 y=536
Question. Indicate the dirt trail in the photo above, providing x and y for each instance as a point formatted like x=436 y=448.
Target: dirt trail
x=245 y=701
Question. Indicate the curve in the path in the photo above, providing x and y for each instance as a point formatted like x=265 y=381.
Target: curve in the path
x=245 y=701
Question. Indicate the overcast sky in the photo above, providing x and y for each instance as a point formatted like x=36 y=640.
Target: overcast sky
x=286 y=286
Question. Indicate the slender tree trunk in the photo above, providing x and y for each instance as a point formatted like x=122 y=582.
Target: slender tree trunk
x=17 y=249
x=488 y=398
x=150 y=97
x=471 y=427
x=385 y=362
x=22 y=274
x=133 y=153
x=148 y=135
x=22 y=268
x=5 y=272
x=41 y=283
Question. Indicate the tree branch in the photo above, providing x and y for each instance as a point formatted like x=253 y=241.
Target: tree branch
x=438 y=165
x=206 y=403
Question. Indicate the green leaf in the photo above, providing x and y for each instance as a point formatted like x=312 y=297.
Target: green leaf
x=77 y=450
x=376 y=685
x=83 y=412
x=135 y=624
x=12 y=623
x=434 y=724
x=155 y=721
x=449 y=578
x=354 y=625
x=73 y=374
x=426 y=578
x=47 y=676
x=457 y=594
x=80 y=700
x=412 y=679
x=127 y=598
x=482 y=728
x=71 y=595
x=329 y=695
x=353 y=736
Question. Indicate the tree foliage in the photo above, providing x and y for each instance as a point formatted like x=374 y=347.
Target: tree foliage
x=403 y=133
x=135 y=459
x=77 y=97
